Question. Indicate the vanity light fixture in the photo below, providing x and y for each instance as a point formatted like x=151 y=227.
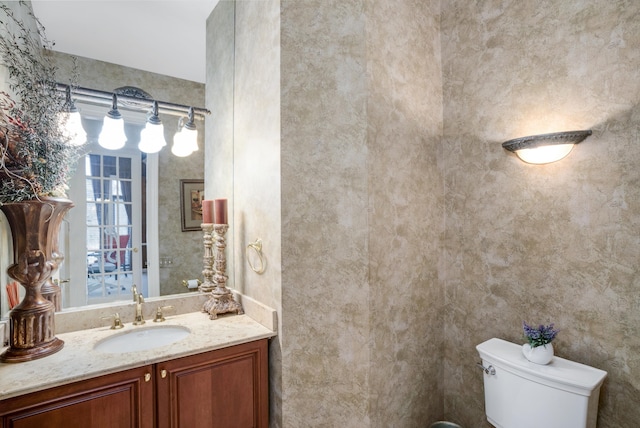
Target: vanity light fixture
x=185 y=141
x=134 y=99
x=152 y=136
x=112 y=136
x=73 y=123
x=545 y=148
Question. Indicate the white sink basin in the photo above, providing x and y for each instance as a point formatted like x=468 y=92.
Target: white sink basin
x=142 y=339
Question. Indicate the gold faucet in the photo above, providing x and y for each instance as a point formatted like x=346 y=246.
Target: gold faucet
x=139 y=300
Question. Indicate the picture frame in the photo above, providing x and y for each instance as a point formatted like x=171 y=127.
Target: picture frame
x=191 y=196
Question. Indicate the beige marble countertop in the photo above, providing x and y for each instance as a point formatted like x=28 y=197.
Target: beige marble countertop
x=78 y=360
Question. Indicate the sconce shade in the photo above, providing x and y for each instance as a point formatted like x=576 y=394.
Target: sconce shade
x=185 y=141
x=545 y=148
x=72 y=121
x=112 y=136
x=152 y=136
x=73 y=128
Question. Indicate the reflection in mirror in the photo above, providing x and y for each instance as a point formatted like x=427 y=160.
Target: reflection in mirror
x=112 y=237
x=103 y=261
x=179 y=254
x=108 y=221
x=132 y=230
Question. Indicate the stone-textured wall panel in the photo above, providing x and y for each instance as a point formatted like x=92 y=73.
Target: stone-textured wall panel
x=218 y=157
x=555 y=243
x=405 y=204
x=256 y=153
x=325 y=320
x=256 y=166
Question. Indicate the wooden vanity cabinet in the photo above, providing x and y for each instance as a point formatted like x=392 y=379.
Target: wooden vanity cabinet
x=226 y=388
x=118 y=400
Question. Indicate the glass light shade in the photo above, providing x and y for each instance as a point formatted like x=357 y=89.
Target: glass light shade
x=152 y=138
x=190 y=137
x=544 y=154
x=112 y=136
x=183 y=144
x=73 y=128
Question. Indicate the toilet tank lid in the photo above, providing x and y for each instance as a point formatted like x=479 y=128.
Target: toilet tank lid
x=558 y=371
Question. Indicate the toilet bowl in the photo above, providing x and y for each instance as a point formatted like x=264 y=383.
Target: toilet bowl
x=522 y=394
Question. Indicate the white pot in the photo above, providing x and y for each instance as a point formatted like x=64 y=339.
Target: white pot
x=540 y=354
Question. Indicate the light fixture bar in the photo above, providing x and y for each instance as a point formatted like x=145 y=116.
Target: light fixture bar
x=99 y=97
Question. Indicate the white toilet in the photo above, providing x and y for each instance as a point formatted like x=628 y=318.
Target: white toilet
x=521 y=394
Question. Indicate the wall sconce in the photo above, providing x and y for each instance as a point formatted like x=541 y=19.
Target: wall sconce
x=134 y=99
x=545 y=148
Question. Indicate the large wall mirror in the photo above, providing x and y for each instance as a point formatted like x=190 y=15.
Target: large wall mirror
x=149 y=247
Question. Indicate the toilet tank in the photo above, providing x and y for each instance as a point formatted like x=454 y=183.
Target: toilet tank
x=521 y=394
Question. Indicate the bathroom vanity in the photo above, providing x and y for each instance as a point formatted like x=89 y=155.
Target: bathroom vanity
x=216 y=376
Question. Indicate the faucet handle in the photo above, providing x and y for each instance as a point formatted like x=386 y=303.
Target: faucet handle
x=159 y=313
x=117 y=322
x=134 y=291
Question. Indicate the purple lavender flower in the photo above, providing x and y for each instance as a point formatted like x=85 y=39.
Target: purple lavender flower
x=539 y=336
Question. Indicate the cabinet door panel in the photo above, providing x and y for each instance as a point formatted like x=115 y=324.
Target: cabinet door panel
x=226 y=388
x=120 y=400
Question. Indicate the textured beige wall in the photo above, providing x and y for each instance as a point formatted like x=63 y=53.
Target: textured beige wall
x=405 y=204
x=256 y=155
x=181 y=246
x=556 y=243
x=361 y=122
x=219 y=100
x=257 y=147
x=371 y=294
x=325 y=236
x=316 y=168
x=328 y=182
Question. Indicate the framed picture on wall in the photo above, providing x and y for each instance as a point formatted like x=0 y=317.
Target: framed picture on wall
x=191 y=196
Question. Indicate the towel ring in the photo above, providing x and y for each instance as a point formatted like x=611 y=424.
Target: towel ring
x=257 y=247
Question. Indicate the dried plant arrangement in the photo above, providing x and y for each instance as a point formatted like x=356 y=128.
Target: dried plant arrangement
x=36 y=157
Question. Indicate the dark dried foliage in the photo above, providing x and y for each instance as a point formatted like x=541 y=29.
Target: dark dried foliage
x=36 y=157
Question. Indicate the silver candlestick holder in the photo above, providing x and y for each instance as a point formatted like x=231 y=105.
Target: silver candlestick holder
x=221 y=300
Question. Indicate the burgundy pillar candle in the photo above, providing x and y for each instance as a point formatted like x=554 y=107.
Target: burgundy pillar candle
x=220 y=210
x=207 y=211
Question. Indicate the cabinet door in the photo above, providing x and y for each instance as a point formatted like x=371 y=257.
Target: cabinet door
x=118 y=400
x=226 y=388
